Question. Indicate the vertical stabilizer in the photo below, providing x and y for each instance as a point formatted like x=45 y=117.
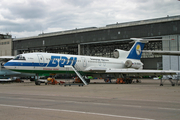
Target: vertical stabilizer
x=136 y=51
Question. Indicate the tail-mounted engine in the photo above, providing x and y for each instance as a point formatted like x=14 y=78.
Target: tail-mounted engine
x=120 y=53
x=128 y=63
x=133 y=64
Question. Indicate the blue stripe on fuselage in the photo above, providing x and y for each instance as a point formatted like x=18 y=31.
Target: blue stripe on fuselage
x=25 y=64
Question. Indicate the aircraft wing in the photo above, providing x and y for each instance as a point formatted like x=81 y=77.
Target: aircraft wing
x=6 y=72
x=162 y=52
x=7 y=57
x=131 y=72
x=9 y=73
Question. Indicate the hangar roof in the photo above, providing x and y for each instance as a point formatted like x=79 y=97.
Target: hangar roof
x=117 y=25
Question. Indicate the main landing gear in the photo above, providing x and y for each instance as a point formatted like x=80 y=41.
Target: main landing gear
x=37 y=82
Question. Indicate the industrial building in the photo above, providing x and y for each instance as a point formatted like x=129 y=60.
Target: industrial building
x=6 y=45
x=101 y=41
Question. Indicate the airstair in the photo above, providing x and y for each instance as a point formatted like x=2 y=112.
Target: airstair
x=77 y=73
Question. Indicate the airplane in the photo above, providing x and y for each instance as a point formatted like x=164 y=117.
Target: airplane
x=125 y=64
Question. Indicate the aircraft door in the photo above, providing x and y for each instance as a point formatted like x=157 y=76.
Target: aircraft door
x=41 y=59
x=104 y=62
x=84 y=61
x=99 y=62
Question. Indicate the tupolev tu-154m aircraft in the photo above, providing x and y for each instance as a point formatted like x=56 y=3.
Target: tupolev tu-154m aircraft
x=125 y=63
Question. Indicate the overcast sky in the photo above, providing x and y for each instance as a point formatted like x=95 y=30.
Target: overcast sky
x=25 y=18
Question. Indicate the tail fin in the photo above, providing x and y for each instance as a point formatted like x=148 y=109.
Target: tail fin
x=136 y=50
x=134 y=53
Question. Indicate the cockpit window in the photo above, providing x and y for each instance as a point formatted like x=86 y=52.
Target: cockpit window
x=16 y=58
x=19 y=57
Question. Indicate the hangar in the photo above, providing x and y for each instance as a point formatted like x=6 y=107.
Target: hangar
x=101 y=41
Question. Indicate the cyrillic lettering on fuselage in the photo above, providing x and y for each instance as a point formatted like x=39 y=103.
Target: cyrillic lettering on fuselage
x=61 y=61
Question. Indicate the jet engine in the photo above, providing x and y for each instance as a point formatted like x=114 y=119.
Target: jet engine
x=133 y=64
x=120 y=53
x=128 y=63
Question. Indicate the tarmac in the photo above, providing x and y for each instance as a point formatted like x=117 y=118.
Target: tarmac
x=98 y=101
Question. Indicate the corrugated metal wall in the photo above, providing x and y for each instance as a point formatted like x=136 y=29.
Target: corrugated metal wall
x=171 y=62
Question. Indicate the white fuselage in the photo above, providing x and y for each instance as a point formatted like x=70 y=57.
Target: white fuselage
x=54 y=63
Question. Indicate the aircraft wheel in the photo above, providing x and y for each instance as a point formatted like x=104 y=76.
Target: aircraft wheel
x=32 y=79
x=161 y=84
x=88 y=81
x=126 y=81
x=130 y=81
x=37 y=82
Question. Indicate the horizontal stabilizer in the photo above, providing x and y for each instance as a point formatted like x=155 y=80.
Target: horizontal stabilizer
x=162 y=52
x=142 y=40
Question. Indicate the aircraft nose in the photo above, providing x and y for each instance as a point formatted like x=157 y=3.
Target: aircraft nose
x=8 y=65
